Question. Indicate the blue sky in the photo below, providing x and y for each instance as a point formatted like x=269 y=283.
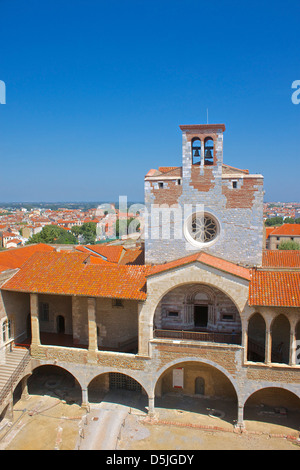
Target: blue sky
x=96 y=91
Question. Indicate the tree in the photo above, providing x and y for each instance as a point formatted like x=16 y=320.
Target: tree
x=289 y=245
x=274 y=221
x=53 y=234
x=88 y=231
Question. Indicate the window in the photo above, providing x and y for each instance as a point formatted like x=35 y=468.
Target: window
x=173 y=313
x=160 y=185
x=44 y=312
x=234 y=184
x=179 y=182
x=117 y=303
x=6 y=331
x=227 y=317
x=201 y=229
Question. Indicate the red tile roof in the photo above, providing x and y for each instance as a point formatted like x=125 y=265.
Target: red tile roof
x=112 y=253
x=287 y=229
x=281 y=259
x=275 y=288
x=72 y=274
x=15 y=258
x=207 y=259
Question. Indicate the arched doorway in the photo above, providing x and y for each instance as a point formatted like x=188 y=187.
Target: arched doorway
x=256 y=338
x=60 y=324
x=199 y=386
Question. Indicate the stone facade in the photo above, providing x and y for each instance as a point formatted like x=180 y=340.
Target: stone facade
x=233 y=197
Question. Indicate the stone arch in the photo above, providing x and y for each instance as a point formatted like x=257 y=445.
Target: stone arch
x=113 y=381
x=272 y=400
x=197 y=289
x=256 y=338
x=280 y=332
x=178 y=362
x=198 y=307
x=158 y=286
x=131 y=374
x=51 y=376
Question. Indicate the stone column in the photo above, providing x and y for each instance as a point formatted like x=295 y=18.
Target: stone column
x=85 y=400
x=240 y=421
x=151 y=408
x=293 y=346
x=245 y=340
x=145 y=329
x=35 y=325
x=268 y=346
x=92 y=326
x=24 y=385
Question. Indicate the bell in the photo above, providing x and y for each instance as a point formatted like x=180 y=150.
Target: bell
x=197 y=154
x=208 y=154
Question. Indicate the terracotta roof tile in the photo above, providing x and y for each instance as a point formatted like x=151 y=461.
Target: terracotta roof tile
x=281 y=259
x=275 y=288
x=112 y=253
x=207 y=259
x=73 y=274
x=15 y=258
x=287 y=229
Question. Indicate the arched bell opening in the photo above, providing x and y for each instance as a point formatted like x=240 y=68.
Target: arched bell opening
x=208 y=151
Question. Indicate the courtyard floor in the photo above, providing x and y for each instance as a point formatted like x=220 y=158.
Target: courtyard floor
x=52 y=419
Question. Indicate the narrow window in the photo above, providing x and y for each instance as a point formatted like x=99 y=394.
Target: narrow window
x=234 y=184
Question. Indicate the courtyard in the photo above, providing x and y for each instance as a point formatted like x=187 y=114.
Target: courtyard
x=51 y=418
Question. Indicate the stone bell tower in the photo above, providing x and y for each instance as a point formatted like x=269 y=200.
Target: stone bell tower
x=213 y=207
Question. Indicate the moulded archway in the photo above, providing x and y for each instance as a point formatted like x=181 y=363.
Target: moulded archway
x=199 y=312
x=236 y=288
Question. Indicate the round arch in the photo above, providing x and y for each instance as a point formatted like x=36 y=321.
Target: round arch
x=196 y=284
x=206 y=362
x=198 y=307
x=268 y=403
x=49 y=377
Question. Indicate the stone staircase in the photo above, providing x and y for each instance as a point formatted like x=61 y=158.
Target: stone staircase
x=11 y=370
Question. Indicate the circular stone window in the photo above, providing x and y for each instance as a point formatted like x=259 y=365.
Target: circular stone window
x=201 y=229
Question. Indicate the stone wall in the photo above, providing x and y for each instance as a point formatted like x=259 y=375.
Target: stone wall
x=238 y=210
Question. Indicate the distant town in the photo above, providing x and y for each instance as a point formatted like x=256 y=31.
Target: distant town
x=96 y=222
x=63 y=223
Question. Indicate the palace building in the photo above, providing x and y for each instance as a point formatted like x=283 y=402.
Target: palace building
x=204 y=310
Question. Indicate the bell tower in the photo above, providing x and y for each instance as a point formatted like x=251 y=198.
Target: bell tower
x=213 y=207
x=202 y=146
